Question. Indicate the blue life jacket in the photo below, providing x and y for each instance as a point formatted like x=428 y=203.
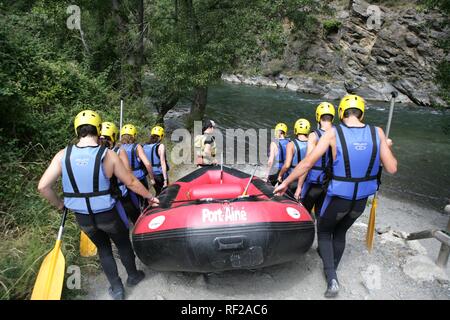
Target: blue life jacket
x=122 y=187
x=151 y=151
x=281 y=155
x=318 y=172
x=135 y=162
x=85 y=186
x=357 y=164
x=300 y=148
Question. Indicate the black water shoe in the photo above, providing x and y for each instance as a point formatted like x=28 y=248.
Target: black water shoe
x=332 y=289
x=118 y=293
x=134 y=280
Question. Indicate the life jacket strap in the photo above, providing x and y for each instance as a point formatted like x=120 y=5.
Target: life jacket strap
x=299 y=155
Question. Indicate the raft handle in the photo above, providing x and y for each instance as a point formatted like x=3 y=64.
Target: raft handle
x=228 y=243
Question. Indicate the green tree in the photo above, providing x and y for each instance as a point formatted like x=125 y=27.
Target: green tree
x=195 y=41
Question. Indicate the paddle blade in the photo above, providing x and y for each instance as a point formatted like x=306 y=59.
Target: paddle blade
x=50 y=279
x=371 y=225
x=87 y=247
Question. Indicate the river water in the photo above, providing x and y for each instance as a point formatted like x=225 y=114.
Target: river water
x=421 y=136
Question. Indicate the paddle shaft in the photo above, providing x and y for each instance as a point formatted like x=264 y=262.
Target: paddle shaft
x=250 y=180
x=371 y=226
x=221 y=168
x=121 y=118
x=391 y=113
x=63 y=222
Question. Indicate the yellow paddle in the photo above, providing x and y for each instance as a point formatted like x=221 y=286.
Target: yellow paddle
x=87 y=247
x=373 y=209
x=50 y=279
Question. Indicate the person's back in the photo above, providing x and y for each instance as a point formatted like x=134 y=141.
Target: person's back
x=295 y=151
x=155 y=151
x=139 y=163
x=357 y=149
x=83 y=175
x=86 y=169
x=128 y=143
x=357 y=163
x=313 y=189
x=109 y=135
x=277 y=154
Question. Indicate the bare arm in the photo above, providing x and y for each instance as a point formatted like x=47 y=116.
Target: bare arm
x=312 y=142
x=162 y=156
x=306 y=164
x=141 y=154
x=114 y=165
x=48 y=180
x=300 y=183
x=273 y=150
x=288 y=161
x=387 y=157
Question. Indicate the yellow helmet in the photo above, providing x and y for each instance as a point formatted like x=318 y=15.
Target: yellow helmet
x=324 y=108
x=88 y=117
x=109 y=129
x=302 y=126
x=128 y=129
x=351 y=101
x=281 y=126
x=158 y=131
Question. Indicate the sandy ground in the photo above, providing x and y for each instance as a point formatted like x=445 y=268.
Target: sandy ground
x=394 y=270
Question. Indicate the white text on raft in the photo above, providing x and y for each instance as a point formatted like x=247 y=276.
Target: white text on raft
x=229 y=214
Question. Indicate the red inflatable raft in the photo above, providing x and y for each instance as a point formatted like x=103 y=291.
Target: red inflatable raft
x=203 y=224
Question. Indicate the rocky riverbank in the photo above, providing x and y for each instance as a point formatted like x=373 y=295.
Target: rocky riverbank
x=402 y=53
x=394 y=270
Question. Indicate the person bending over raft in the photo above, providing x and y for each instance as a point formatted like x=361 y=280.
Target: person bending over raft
x=295 y=152
x=205 y=145
x=358 y=151
x=109 y=134
x=140 y=165
x=86 y=169
x=313 y=190
x=156 y=153
x=277 y=154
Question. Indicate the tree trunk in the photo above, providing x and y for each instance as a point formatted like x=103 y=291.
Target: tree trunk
x=139 y=61
x=121 y=23
x=199 y=104
x=165 y=107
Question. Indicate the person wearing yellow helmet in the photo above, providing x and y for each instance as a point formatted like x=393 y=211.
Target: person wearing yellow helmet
x=312 y=190
x=86 y=169
x=109 y=135
x=139 y=163
x=156 y=152
x=358 y=150
x=277 y=154
x=295 y=152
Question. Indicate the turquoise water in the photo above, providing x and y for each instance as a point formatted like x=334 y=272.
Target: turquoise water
x=421 y=136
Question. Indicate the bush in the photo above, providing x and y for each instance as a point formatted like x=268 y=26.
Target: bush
x=331 y=26
x=42 y=89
